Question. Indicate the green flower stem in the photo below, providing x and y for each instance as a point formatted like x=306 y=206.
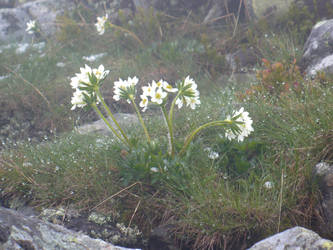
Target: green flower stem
x=190 y=137
x=140 y=118
x=170 y=131
x=126 y=31
x=173 y=106
x=169 y=121
x=112 y=117
x=108 y=123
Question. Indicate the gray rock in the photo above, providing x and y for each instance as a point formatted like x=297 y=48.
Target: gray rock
x=318 y=49
x=7 y=3
x=324 y=172
x=13 y=24
x=46 y=11
x=243 y=60
x=296 y=238
x=22 y=232
x=13 y=21
x=101 y=128
x=160 y=238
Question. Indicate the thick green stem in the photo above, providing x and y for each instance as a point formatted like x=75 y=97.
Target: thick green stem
x=170 y=132
x=190 y=137
x=140 y=118
x=173 y=106
x=112 y=116
x=108 y=123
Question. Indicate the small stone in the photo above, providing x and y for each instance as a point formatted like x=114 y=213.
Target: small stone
x=294 y=238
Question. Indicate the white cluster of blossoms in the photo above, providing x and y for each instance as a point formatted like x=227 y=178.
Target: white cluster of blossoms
x=213 y=155
x=244 y=124
x=31 y=27
x=125 y=89
x=157 y=92
x=100 y=25
x=191 y=94
x=83 y=83
x=86 y=85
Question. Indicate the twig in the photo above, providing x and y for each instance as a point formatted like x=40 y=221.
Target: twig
x=185 y=21
x=136 y=208
x=119 y=192
x=237 y=19
x=220 y=17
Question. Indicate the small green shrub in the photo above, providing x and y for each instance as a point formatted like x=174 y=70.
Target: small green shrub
x=276 y=79
x=237 y=160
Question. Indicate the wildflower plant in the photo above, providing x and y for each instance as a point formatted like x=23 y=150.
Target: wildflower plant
x=32 y=27
x=87 y=94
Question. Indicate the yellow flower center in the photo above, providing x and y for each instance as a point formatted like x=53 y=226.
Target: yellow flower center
x=98 y=74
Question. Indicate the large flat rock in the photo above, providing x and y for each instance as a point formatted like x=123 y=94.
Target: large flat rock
x=18 y=231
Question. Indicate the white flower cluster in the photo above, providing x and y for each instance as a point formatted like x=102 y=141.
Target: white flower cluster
x=191 y=98
x=213 y=155
x=31 y=26
x=244 y=123
x=82 y=80
x=122 y=88
x=157 y=92
x=100 y=25
x=268 y=184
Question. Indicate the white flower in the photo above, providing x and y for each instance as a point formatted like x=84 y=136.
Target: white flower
x=78 y=99
x=31 y=26
x=158 y=84
x=83 y=76
x=100 y=73
x=245 y=126
x=190 y=96
x=144 y=102
x=190 y=81
x=268 y=184
x=211 y=154
x=154 y=169
x=82 y=79
x=194 y=86
x=118 y=87
x=180 y=102
x=132 y=81
x=100 y=25
x=75 y=82
x=148 y=90
x=192 y=101
x=125 y=85
x=158 y=96
x=167 y=87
